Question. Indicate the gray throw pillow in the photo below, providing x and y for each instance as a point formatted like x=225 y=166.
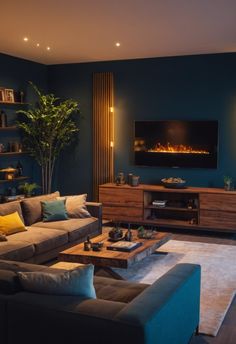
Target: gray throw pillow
x=76 y=206
x=78 y=282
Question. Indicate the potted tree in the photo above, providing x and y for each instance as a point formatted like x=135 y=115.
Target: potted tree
x=48 y=127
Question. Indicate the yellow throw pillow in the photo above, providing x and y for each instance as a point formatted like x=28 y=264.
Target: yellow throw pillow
x=12 y=223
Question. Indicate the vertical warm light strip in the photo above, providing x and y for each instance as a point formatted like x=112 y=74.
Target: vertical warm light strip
x=103 y=130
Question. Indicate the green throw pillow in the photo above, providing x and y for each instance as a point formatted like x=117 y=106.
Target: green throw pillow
x=54 y=211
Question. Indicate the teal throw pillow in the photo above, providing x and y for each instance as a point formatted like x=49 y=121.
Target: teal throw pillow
x=77 y=282
x=54 y=211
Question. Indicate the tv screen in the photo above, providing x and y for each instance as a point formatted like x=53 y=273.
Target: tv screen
x=176 y=143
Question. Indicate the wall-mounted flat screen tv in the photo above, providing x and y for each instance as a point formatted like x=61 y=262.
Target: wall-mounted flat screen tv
x=176 y=143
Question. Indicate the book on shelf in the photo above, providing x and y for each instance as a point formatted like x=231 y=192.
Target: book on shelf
x=124 y=246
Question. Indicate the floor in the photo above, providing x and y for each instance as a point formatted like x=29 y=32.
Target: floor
x=227 y=332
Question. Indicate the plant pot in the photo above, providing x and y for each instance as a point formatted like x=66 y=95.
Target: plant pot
x=228 y=186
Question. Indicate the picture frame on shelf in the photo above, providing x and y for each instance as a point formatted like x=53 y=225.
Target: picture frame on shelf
x=2 y=94
x=9 y=95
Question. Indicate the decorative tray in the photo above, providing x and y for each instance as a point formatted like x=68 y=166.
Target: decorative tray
x=174 y=183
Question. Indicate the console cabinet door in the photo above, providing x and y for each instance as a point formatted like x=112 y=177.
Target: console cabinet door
x=222 y=202
x=121 y=204
x=218 y=211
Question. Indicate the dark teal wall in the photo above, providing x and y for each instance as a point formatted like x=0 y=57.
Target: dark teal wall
x=188 y=87
x=15 y=73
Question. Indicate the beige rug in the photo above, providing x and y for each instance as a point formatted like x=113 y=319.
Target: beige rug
x=218 y=283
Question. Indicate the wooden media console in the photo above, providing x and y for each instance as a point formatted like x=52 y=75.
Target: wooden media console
x=192 y=207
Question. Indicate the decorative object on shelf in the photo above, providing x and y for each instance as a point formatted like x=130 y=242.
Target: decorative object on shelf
x=120 y=179
x=173 y=183
x=19 y=169
x=28 y=188
x=15 y=146
x=159 y=203
x=9 y=95
x=115 y=233
x=22 y=95
x=2 y=148
x=8 y=173
x=130 y=175
x=43 y=139
x=135 y=180
x=228 y=183
x=3 y=119
x=191 y=204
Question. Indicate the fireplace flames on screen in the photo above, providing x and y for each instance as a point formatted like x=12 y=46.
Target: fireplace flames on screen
x=169 y=148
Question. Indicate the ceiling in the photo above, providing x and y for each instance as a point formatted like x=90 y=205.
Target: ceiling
x=87 y=30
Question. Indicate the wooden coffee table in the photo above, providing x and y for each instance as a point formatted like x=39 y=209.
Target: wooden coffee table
x=106 y=259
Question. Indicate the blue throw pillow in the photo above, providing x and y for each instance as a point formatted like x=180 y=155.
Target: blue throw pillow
x=73 y=282
x=54 y=211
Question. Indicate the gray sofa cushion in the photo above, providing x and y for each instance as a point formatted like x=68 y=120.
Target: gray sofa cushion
x=16 y=249
x=43 y=239
x=76 y=228
x=77 y=282
x=32 y=209
x=115 y=290
x=11 y=207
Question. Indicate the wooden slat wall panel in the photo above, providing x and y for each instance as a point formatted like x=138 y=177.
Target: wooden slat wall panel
x=103 y=130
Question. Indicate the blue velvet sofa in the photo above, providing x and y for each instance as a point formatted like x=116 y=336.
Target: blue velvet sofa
x=166 y=312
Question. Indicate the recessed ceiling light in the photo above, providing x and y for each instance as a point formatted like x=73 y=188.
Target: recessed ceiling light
x=117 y=44
x=48 y=48
x=26 y=39
x=37 y=45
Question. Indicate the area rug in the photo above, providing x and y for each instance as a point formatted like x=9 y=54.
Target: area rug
x=218 y=282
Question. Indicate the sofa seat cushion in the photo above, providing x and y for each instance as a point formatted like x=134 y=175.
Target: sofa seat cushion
x=16 y=249
x=43 y=239
x=76 y=228
x=116 y=290
x=95 y=308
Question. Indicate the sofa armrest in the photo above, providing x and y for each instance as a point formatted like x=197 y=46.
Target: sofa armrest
x=167 y=312
x=95 y=209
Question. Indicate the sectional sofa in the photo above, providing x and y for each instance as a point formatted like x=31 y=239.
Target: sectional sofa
x=166 y=312
x=44 y=240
